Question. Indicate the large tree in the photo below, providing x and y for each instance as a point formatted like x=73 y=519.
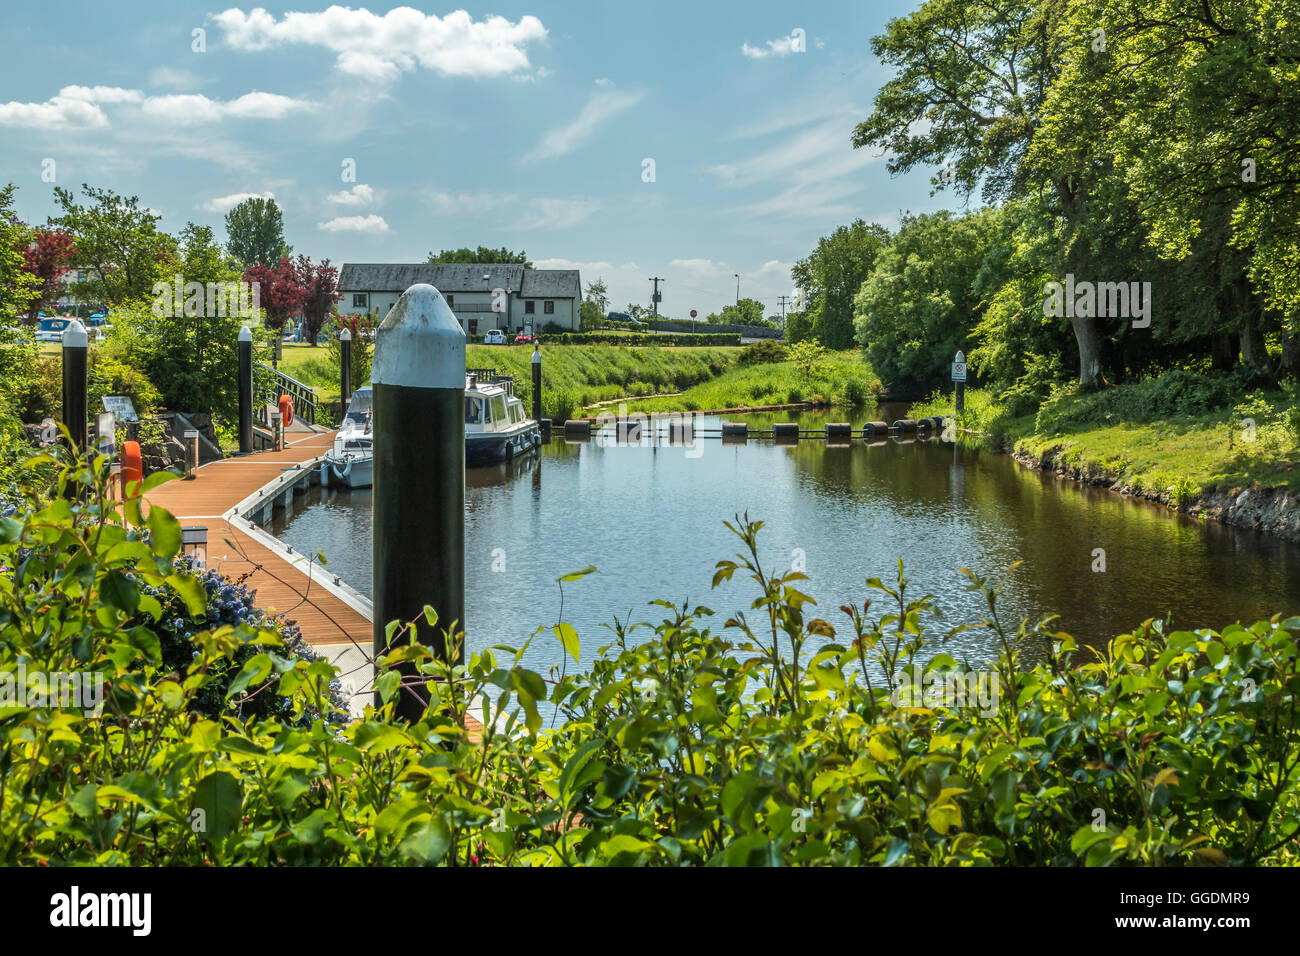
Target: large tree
x=915 y=310
x=830 y=277
x=482 y=254
x=117 y=241
x=279 y=289
x=255 y=233
x=320 y=291
x=47 y=258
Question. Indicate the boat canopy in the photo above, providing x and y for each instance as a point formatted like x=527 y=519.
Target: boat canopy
x=359 y=407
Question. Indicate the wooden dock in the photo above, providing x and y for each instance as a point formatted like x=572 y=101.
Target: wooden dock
x=335 y=624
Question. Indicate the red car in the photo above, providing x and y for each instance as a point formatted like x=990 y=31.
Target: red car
x=525 y=337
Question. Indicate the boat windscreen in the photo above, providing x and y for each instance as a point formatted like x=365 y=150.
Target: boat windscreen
x=473 y=411
x=359 y=407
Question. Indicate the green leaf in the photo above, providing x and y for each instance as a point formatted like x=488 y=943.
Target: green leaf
x=83 y=802
x=568 y=638
x=119 y=591
x=575 y=575
x=221 y=799
x=254 y=671
x=10 y=530
x=164 y=533
x=191 y=592
x=428 y=843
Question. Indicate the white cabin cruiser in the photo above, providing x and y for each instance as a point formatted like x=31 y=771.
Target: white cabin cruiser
x=496 y=427
x=351 y=462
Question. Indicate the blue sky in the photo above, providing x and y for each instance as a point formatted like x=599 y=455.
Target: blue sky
x=523 y=124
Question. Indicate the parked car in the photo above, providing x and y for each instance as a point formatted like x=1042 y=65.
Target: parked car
x=525 y=337
x=51 y=330
x=494 y=337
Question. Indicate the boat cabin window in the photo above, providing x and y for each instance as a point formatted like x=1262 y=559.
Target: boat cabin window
x=498 y=408
x=516 y=413
x=473 y=411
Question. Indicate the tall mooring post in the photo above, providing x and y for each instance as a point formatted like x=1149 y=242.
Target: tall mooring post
x=959 y=381
x=537 y=383
x=245 y=389
x=75 y=345
x=345 y=371
x=419 y=475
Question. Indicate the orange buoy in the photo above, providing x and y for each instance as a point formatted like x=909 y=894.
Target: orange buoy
x=286 y=410
x=132 y=467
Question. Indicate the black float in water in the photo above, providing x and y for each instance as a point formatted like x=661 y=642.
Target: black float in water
x=345 y=371
x=419 y=481
x=735 y=432
x=875 y=431
x=75 y=343
x=783 y=433
x=905 y=426
x=245 y=388
x=839 y=431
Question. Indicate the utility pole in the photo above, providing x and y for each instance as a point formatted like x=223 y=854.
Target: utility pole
x=654 y=299
x=783 y=299
x=737 y=290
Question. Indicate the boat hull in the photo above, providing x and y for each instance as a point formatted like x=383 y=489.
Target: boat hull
x=490 y=447
x=350 y=473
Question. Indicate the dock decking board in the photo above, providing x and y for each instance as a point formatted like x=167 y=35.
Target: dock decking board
x=280 y=587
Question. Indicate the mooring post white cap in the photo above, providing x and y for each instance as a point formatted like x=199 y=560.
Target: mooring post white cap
x=537 y=355
x=245 y=334
x=420 y=344
x=345 y=336
x=74 y=336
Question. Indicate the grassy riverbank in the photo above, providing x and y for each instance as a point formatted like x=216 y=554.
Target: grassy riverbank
x=573 y=376
x=843 y=378
x=1178 y=438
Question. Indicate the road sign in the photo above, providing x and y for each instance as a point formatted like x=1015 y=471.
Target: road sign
x=694 y=313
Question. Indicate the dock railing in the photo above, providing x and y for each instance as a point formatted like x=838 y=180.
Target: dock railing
x=275 y=383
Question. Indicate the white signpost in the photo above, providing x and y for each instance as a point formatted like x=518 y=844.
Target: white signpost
x=959 y=381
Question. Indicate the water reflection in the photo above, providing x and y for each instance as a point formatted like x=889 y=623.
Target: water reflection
x=650 y=518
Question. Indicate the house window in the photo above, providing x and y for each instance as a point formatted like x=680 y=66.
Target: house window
x=358 y=300
x=548 y=308
x=451 y=300
x=473 y=326
x=530 y=308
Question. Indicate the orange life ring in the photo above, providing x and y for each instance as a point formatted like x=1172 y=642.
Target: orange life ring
x=132 y=467
x=286 y=410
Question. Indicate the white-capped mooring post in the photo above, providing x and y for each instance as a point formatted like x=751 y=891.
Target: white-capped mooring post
x=345 y=371
x=418 y=397
x=245 y=389
x=959 y=381
x=537 y=383
x=75 y=344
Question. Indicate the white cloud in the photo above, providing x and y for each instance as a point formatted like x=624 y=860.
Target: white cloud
x=79 y=107
x=177 y=79
x=358 y=195
x=561 y=140
x=511 y=211
x=194 y=108
x=380 y=48
x=781 y=46
x=227 y=203
x=372 y=224
x=604 y=81
x=73 y=107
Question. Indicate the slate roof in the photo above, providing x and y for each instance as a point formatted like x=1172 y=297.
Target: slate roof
x=460 y=277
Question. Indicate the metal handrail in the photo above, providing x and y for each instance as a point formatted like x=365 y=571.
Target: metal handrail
x=304 y=397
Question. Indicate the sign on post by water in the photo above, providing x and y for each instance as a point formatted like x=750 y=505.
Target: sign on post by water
x=959 y=368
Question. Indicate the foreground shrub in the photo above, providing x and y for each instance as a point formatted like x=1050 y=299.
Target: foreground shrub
x=774 y=738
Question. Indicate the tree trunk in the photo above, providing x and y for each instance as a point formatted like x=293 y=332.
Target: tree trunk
x=1223 y=352
x=1085 y=333
x=1290 y=365
x=1253 y=353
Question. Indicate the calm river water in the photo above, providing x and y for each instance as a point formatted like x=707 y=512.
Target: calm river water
x=651 y=521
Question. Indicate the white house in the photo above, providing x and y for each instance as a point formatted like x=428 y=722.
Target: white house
x=483 y=296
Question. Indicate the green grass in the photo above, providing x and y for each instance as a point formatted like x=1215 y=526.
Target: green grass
x=573 y=376
x=846 y=379
x=1160 y=437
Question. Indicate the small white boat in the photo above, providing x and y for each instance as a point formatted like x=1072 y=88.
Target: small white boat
x=351 y=462
x=496 y=427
